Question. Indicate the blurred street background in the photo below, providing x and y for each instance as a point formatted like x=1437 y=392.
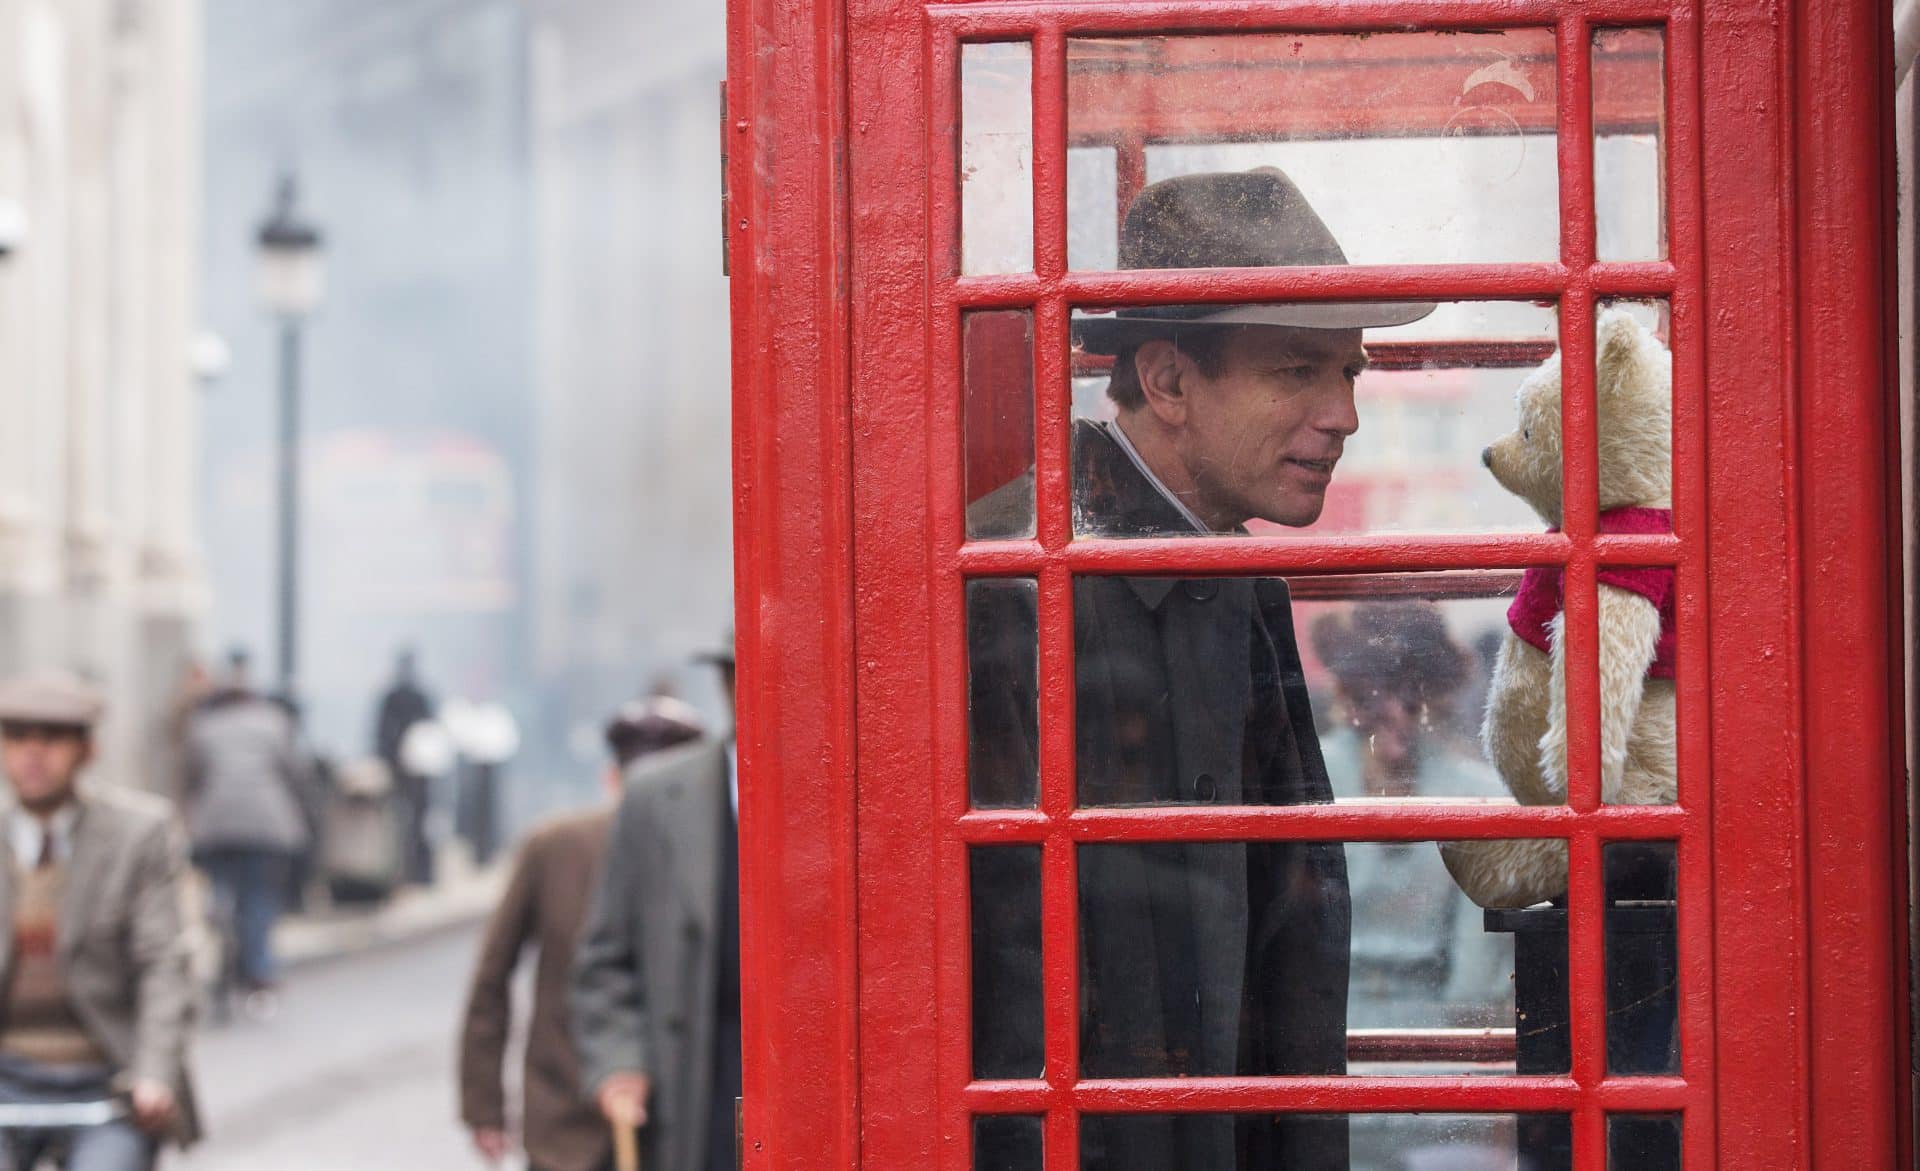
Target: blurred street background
x=342 y=330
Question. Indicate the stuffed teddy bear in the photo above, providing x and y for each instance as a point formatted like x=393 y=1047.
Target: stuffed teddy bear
x=1525 y=730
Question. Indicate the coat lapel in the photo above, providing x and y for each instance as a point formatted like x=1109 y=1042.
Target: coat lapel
x=84 y=865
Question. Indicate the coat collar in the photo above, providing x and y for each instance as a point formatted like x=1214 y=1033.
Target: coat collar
x=1112 y=498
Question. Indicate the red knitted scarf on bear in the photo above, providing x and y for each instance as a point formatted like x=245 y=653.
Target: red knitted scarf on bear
x=1541 y=598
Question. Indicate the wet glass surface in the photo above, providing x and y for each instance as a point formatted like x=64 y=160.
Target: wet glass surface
x=1629 y=131
x=1642 y=958
x=1009 y=1033
x=1223 y=691
x=1185 y=426
x=1007 y=1142
x=1321 y=1142
x=1643 y=1142
x=997 y=388
x=1348 y=118
x=1003 y=757
x=1222 y=959
x=996 y=157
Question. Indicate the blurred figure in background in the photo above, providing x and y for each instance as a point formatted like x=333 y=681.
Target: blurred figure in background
x=404 y=704
x=545 y=903
x=1417 y=941
x=245 y=814
x=101 y=864
x=656 y=1003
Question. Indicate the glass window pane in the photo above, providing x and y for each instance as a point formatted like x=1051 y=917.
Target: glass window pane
x=1224 y=691
x=1360 y=1142
x=1347 y=118
x=996 y=157
x=1639 y=643
x=1642 y=957
x=1007 y=1142
x=997 y=360
x=1318 y=418
x=1003 y=746
x=1643 y=1142
x=1217 y=959
x=1009 y=1039
x=1629 y=135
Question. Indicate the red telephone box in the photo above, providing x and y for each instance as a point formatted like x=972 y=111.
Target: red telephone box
x=923 y=204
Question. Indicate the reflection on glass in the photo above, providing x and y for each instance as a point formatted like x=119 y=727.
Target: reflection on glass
x=1643 y=1142
x=1642 y=958
x=1400 y=685
x=1200 y=692
x=996 y=157
x=997 y=361
x=1009 y=1038
x=1216 y=959
x=1349 y=118
x=1629 y=124
x=1359 y=1142
x=1007 y=1142
x=1184 y=426
x=1003 y=760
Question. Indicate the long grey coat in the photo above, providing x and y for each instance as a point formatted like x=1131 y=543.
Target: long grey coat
x=645 y=973
x=122 y=943
x=1197 y=960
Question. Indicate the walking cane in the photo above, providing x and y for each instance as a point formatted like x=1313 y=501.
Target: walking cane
x=626 y=1147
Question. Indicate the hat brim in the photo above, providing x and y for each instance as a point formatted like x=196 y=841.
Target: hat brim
x=1107 y=335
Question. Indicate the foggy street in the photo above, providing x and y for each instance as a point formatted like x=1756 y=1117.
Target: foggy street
x=354 y=1072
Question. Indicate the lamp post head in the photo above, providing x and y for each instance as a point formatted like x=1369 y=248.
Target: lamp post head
x=292 y=279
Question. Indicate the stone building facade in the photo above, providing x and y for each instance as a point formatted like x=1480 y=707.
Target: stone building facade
x=99 y=186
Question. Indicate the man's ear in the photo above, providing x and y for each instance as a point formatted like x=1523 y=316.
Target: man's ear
x=1160 y=366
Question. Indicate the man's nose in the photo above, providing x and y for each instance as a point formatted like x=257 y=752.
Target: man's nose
x=1344 y=417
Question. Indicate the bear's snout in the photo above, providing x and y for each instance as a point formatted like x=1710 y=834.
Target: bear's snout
x=1486 y=457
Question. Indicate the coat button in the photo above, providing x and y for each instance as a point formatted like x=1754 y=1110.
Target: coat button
x=691 y=930
x=677 y=1024
x=1200 y=591
x=1204 y=787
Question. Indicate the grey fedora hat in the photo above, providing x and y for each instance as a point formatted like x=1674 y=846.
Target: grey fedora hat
x=1230 y=219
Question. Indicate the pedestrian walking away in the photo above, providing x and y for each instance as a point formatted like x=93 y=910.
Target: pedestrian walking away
x=244 y=815
x=404 y=704
x=98 y=995
x=545 y=904
x=659 y=1040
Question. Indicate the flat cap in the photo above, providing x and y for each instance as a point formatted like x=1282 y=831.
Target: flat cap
x=50 y=697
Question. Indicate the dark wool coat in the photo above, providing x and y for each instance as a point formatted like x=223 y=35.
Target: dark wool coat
x=1196 y=959
x=646 y=970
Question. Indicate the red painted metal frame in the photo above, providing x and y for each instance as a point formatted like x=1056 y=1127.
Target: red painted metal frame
x=853 y=563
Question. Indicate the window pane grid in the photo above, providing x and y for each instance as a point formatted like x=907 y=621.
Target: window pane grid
x=1267 y=556
x=1358 y=282
x=980 y=22
x=1332 y=1094
x=1577 y=283
x=1430 y=820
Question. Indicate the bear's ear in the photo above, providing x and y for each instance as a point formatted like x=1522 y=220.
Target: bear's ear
x=1618 y=353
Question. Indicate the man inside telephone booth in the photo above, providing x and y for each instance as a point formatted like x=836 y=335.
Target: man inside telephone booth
x=1199 y=959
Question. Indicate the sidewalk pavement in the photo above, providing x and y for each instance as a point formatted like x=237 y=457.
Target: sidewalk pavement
x=463 y=894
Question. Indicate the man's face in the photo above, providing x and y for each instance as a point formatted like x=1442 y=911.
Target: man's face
x=1260 y=438
x=42 y=761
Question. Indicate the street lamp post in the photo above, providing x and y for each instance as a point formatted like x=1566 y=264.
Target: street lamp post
x=292 y=282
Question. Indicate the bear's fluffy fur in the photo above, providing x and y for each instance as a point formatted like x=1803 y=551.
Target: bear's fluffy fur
x=1525 y=731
